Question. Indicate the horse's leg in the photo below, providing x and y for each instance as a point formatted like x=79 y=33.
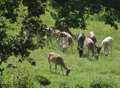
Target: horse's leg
x=55 y=67
x=88 y=52
x=104 y=49
x=50 y=67
x=111 y=50
x=62 y=69
x=93 y=52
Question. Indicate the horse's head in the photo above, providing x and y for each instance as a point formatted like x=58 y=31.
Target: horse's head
x=98 y=49
x=81 y=35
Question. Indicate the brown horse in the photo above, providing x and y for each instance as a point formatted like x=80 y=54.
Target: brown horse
x=57 y=60
x=91 y=47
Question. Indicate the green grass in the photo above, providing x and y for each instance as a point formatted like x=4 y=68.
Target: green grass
x=83 y=71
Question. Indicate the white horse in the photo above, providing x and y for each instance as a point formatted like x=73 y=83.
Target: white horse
x=107 y=45
x=66 y=40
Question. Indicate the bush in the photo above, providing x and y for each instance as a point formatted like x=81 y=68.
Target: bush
x=103 y=83
x=20 y=77
x=64 y=85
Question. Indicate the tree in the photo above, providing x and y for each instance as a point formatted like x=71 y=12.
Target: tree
x=23 y=18
x=75 y=12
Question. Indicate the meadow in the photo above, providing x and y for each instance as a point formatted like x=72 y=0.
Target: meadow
x=85 y=73
x=22 y=24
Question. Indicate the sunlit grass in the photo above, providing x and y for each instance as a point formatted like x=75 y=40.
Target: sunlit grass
x=83 y=71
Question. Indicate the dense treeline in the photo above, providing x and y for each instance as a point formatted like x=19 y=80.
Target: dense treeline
x=75 y=12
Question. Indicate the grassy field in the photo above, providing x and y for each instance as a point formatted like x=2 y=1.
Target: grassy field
x=84 y=73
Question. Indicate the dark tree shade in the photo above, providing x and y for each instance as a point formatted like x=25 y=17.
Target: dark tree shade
x=74 y=12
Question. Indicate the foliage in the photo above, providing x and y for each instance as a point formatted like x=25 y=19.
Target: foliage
x=23 y=18
x=76 y=12
x=35 y=7
x=103 y=83
x=18 y=77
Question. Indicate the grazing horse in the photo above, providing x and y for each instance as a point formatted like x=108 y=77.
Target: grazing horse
x=56 y=33
x=53 y=32
x=92 y=36
x=107 y=45
x=91 y=47
x=57 y=60
x=67 y=37
x=80 y=41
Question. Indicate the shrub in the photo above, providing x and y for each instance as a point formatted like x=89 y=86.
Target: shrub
x=103 y=83
x=20 y=77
